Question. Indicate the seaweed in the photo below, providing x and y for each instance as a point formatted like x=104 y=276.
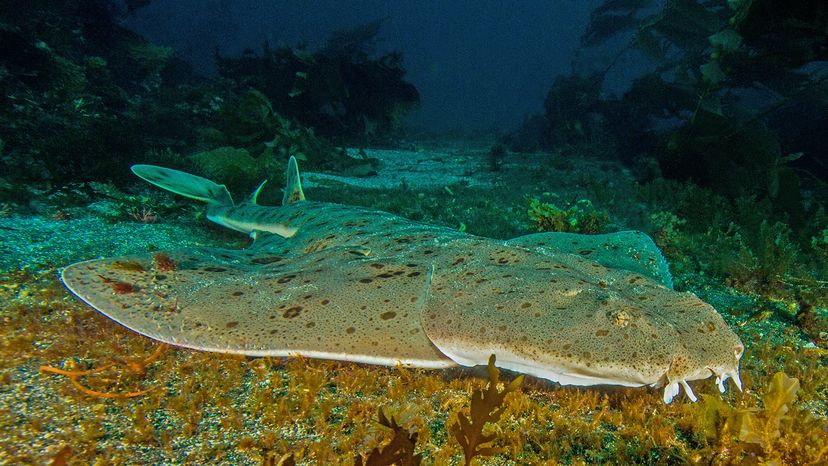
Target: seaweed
x=399 y=451
x=762 y=427
x=486 y=407
x=693 y=110
x=285 y=460
x=777 y=433
x=135 y=366
x=62 y=457
x=582 y=217
x=341 y=90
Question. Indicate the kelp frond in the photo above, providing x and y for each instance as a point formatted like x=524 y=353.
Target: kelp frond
x=400 y=451
x=486 y=406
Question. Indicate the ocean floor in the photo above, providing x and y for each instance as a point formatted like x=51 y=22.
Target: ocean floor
x=77 y=388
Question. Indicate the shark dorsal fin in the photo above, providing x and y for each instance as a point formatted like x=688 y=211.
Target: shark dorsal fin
x=293 y=186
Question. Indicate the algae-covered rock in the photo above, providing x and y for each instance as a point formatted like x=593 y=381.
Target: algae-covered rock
x=235 y=168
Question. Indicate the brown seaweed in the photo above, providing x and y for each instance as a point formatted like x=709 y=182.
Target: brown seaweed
x=486 y=407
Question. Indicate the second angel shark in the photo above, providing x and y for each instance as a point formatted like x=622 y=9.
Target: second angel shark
x=338 y=282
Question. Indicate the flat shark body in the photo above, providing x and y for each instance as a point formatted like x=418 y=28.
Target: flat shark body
x=338 y=282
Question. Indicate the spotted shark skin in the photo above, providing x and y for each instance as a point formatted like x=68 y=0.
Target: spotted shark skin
x=338 y=282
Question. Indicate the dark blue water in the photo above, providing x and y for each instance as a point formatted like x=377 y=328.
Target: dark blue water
x=477 y=64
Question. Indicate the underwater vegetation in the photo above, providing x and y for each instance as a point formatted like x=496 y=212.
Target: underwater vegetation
x=340 y=90
x=703 y=234
x=581 y=217
x=715 y=104
x=485 y=408
x=83 y=98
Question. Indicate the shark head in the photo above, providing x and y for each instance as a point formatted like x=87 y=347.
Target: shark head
x=563 y=324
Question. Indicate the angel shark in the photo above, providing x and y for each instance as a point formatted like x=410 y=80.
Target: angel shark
x=331 y=281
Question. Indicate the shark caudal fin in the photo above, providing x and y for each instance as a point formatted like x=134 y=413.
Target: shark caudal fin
x=293 y=184
x=185 y=184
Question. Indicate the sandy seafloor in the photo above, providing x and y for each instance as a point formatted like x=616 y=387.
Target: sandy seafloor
x=215 y=409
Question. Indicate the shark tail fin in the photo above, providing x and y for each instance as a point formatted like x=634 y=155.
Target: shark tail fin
x=185 y=184
x=293 y=186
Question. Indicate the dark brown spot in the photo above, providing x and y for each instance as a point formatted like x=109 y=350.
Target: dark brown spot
x=413 y=274
x=232 y=324
x=238 y=293
x=286 y=279
x=265 y=260
x=214 y=269
x=388 y=315
x=292 y=312
x=350 y=330
x=325 y=302
x=365 y=280
x=602 y=333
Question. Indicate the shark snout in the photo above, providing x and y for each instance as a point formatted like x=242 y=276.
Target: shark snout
x=684 y=369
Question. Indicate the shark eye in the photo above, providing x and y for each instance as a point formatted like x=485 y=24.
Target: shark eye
x=738 y=350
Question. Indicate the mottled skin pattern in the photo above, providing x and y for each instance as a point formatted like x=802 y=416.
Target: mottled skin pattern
x=361 y=285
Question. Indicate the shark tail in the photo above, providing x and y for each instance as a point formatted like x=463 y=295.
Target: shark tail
x=185 y=184
x=293 y=183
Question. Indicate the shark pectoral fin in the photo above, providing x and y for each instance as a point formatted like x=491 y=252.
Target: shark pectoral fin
x=185 y=184
x=628 y=250
x=329 y=304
